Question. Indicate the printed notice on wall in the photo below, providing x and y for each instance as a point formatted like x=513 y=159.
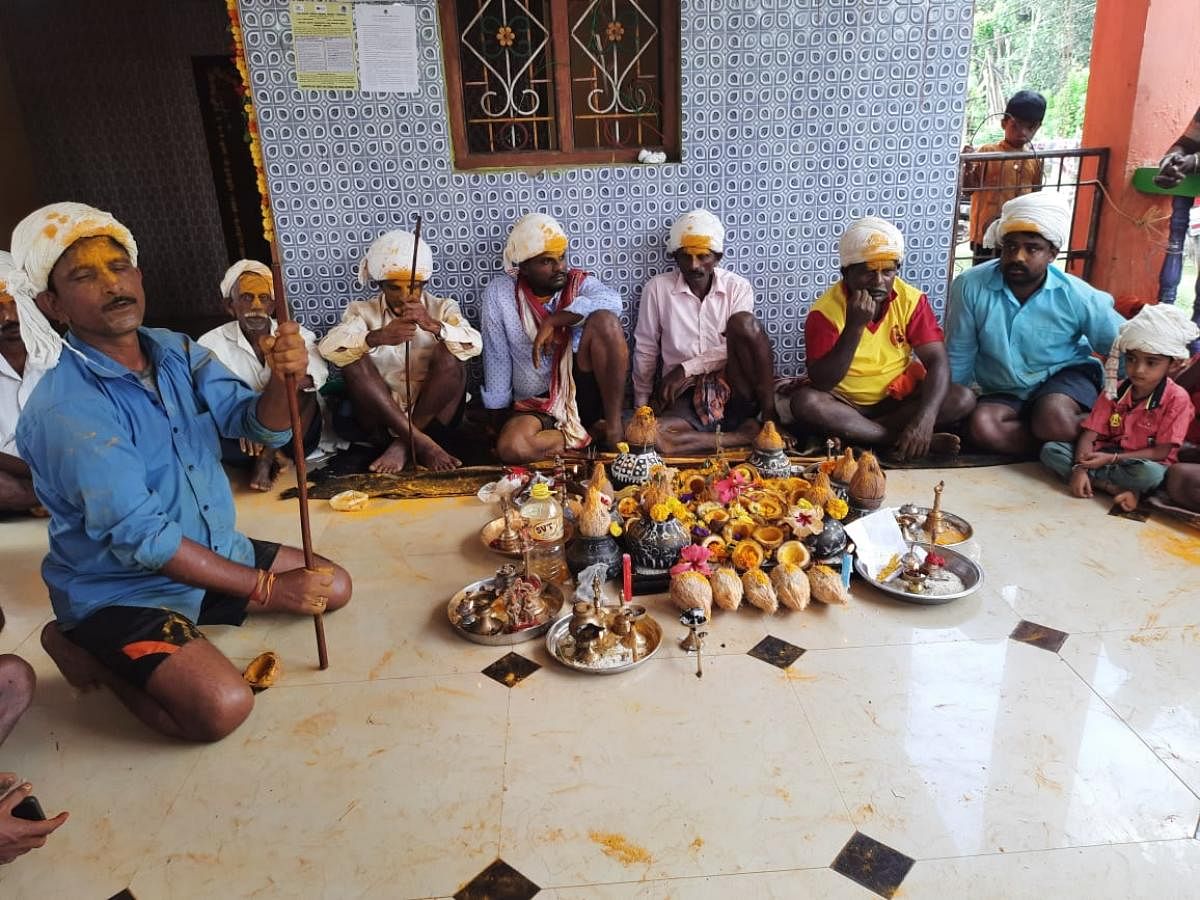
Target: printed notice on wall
x=323 y=36
x=387 y=47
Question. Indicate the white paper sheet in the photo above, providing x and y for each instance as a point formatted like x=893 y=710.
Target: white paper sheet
x=387 y=47
x=877 y=539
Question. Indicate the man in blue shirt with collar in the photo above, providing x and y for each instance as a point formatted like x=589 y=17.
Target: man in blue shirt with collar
x=123 y=440
x=1026 y=333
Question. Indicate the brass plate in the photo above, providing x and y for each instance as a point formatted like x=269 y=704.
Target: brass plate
x=493 y=529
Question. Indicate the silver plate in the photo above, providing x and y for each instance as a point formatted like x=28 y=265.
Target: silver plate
x=554 y=604
x=648 y=627
x=958 y=523
x=966 y=569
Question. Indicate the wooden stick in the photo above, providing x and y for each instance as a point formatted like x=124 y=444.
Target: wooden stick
x=310 y=560
x=412 y=286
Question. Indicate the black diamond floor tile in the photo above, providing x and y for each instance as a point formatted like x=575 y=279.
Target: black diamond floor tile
x=499 y=881
x=875 y=866
x=123 y=895
x=510 y=669
x=1041 y=636
x=776 y=651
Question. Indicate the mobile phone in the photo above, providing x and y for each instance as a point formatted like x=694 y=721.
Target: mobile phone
x=29 y=809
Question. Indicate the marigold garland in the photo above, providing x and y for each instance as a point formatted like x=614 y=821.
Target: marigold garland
x=239 y=59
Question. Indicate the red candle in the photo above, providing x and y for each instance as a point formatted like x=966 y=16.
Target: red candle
x=626 y=578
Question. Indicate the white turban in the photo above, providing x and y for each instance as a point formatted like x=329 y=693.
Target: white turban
x=870 y=240
x=390 y=258
x=240 y=268
x=1042 y=212
x=532 y=235
x=42 y=342
x=696 y=232
x=1161 y=329
x=45 y=234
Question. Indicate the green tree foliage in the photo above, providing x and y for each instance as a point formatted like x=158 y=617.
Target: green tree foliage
x=1030 y=44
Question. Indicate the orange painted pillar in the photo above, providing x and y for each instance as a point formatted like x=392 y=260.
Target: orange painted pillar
x=1143 y=88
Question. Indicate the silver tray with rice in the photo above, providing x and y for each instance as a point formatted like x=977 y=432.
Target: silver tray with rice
x=964 y=576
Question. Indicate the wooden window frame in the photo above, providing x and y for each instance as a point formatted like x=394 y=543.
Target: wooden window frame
x=568 y=154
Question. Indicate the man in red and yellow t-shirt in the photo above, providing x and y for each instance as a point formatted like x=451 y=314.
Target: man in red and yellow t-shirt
x=877 y=368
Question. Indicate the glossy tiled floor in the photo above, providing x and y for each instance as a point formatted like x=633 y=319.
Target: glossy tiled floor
x=915 y=751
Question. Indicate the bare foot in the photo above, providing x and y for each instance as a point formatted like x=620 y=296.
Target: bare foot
x=1127 y=500
x=609 y=436
x=943 y=443
x=434 y=458
x=79 y=667
x=265 y=471
x=393 y=459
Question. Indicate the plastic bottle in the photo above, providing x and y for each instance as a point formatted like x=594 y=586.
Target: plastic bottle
x=544 y=518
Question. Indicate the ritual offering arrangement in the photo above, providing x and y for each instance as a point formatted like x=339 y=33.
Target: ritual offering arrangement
x=932 y=524
x=600 y=638
x=727 y=535
x=503 y=535
x=918 y=573
x=508 y=609
x=638 y=454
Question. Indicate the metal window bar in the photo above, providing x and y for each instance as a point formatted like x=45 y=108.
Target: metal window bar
x=1066 y=170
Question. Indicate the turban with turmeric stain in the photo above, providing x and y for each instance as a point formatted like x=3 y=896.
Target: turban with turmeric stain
x=697 y=231
x=42 y=343
x=390 y=258
x=1043 y=212
x=532 y=235
x=242 y=267
x=45 y=234
x=870 y=240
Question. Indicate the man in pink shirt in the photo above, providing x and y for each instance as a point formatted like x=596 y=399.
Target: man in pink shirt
x=717 y=367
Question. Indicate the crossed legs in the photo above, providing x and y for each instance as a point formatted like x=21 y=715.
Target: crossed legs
x=750 y=371
x=821 y=413
x=603 y=353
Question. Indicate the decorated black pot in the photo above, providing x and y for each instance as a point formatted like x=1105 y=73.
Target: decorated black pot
x=828 y=545
x=633 y=467
x=654 y=546
x=588 y=551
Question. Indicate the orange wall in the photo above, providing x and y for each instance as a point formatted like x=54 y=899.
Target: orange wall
x=1143 y=88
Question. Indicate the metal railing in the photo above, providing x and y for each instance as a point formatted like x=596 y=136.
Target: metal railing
x=1079 y=173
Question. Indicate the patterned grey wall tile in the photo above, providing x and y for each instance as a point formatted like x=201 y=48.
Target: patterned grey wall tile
x=798 y=115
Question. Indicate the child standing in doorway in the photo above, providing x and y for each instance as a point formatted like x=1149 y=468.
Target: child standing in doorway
x=992 y=184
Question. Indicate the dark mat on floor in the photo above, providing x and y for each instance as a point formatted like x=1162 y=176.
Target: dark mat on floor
x=1159 y=504
x=961 y=461
x=347 y=472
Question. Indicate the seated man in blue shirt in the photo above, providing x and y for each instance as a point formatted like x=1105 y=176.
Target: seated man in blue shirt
x=123 y=437
x=553 y=348
x=1026 y=332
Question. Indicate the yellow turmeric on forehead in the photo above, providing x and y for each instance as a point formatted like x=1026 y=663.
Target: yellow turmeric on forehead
x=880 y=263
x=93 y=253
x=253 y=283
x=696 y=244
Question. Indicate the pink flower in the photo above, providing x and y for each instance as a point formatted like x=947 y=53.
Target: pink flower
x=693 y=558
x=729 y=489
